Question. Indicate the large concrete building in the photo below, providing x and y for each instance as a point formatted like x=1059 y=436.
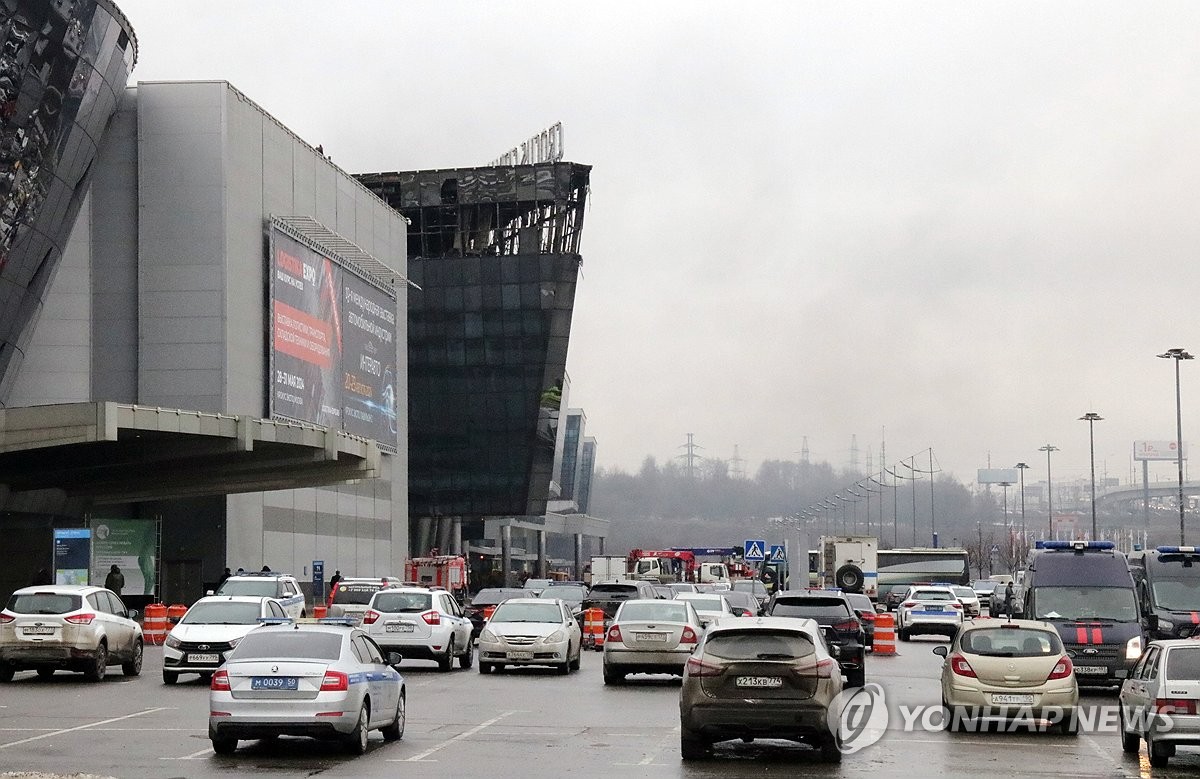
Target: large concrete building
x=221 y=269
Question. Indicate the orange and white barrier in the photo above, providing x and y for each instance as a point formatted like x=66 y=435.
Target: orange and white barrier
x=320 y=612
x=154 y=624
x=885 y=634
x=593 y=628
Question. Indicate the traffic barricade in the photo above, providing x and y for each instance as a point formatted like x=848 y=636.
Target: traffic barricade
x=593 y=628
x=320 y=612
x=175 y=613
x=885 y=634
x=154 y=624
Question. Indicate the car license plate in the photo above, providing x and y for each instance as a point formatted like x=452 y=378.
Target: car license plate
x=759 y=681
x=1091 y=670
x=660 y=637
x=1019 y=700
x=38 y=630
x=520 y=655
x=399 y=627
x=209 y=658
x=274 y=683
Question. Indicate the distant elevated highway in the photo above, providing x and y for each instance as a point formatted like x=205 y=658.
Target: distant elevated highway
x=1157 y=489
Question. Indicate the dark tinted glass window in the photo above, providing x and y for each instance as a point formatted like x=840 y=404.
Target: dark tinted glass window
x=1011 y=642
x=44 y=603
x=402 y=602
x=758 y=645
x=267 y=588
x=490 y=597
x=288 y=644
x=615 y=590
x=359 y=594
x=812 y=608
x=1183 y=663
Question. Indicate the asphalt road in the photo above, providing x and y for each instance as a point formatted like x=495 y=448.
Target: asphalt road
x=527 y=723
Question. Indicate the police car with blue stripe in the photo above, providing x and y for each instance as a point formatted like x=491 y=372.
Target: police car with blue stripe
x=284 y=589
x=324 y=679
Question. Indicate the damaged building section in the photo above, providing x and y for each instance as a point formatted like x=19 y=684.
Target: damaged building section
x=495 y=253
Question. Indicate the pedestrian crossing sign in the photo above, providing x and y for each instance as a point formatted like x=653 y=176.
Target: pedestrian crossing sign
x=756 y=550
x=777 y=553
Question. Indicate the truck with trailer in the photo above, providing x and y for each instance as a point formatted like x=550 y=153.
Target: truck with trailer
x=606 y=568
x=675 y=565
x=849 y=563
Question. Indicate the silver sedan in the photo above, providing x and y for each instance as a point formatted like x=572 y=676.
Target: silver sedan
x=323 y=680
x=650 y=636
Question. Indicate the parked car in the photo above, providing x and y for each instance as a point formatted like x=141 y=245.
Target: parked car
x=318 y=679
x=678 y=587
x=984 y=589
x=709 y=606
x=650 y=636
x=865 y=610
x=972 y=606
x=842 y=627
x=200 y=641
x=71 y=628
x=283 y=588
x=420 y=623
x=531 y=631
x=351 y=597
x=741 y=602
x=1160 y=701
x=535 y=586
x=761 y=678
x=929 y=611
x=1008 y=670
x=484 y=602
x=755 y=587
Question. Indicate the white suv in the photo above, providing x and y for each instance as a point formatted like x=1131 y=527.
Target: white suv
x=929 y=611
x=68 y=627
x=212 y=627
x=419 y=622
x=283 y=588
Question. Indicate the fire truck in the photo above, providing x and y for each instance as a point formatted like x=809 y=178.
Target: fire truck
x=448 y=571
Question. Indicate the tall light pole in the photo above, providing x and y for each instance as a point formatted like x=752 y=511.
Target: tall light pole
x=1024 y=542
x=1177 y=355
x=1048 y=448
x=1007 y=530
x=1092 y=418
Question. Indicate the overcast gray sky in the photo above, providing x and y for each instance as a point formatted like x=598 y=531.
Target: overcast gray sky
x=968 y=223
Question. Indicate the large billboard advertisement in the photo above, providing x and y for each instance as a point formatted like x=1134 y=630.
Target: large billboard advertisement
x=1157 y=450
x=72 y=552
x=332 y=344
x=130 y=545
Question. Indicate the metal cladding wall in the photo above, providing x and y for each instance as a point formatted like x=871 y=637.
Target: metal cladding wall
x=63 y=65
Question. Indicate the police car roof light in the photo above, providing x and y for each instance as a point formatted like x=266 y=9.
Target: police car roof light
x=348 y=621
x=274 y=620
x=1177 y=549
x=1076 y=545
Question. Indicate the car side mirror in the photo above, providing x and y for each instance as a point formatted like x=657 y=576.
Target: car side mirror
x=880 y=608
x=133 y=613
x=941 y=651
x=394 y=658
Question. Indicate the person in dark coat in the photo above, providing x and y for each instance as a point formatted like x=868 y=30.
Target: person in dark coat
x=333 y=581
x=265 y=569
x=1008 y=600
x=115 y=580
x=224 y=576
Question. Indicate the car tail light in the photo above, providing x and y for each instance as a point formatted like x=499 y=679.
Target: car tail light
x=6 y=618
x=432 y=617
x=908 y=604
x=825 y=668
x=1062 y=669
x=614 y=634
x=689 y=636
x=370 y=617
x=697 y=667
x=848 y=624
x=81 y=619
x=867 y=617
x=335 y=681
x=960 y=666
x=1174 y=706
x=487 y=611
x=220 y=681
x=956 y=605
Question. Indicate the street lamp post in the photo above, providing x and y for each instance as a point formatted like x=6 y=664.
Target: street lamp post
x=1177 y=355
x=1092 y=418
x=1021 y=468
x=1048 y=448
x=1007 y=529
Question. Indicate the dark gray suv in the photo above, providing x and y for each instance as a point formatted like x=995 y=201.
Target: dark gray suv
x=842 y=627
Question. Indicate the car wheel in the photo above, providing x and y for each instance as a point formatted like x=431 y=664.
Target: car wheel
x=565 y=668
x=6 y=673
x=691 y=746
x=856 y=677
x=95 y=672
x=1160 y=753
x=45 y=673
x=170 y=677
x=903 y=634
x=447 y=660
x=578 y=657
x=1129 y=741
x=395 y=731
x=485 y=668
x=467 y=658
x=224 y=746
x=613 y=677
x=356 y=742
x=134 y=666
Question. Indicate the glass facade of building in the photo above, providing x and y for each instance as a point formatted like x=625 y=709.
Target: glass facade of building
x=570 y=455
x=587 y=468
x=62 y=67
x=495 y=254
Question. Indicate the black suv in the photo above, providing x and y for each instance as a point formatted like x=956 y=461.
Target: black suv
x=833 y=611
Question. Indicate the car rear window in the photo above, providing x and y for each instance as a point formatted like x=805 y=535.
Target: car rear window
x=266 y=588
x=759 y=645
x=359 y=594
x=932 y=595
x=403 y=602
x=715 y=603
x=1011 y=642
x=289 y=645
x=1183 y=663
x=492 y=596
x=752 y=586
x=615 y=590
x=964 y=592
x=44 y=603
x=813 y=608
x=217 y=613
x=649 y=612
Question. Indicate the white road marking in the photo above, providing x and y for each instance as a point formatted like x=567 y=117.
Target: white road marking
x=448 y=742
x=83 y=727
x=662 y=744
x=1095 y=745
x=193 y=756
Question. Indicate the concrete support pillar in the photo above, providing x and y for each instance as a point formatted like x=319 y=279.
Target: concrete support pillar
x=506 y=554
x=456 y=541
x=579 y=556
x=600 y=539
x=543 y=565
x=443 y=535
x=424 y=534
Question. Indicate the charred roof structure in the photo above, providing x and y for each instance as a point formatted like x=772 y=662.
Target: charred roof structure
x=495 y=254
